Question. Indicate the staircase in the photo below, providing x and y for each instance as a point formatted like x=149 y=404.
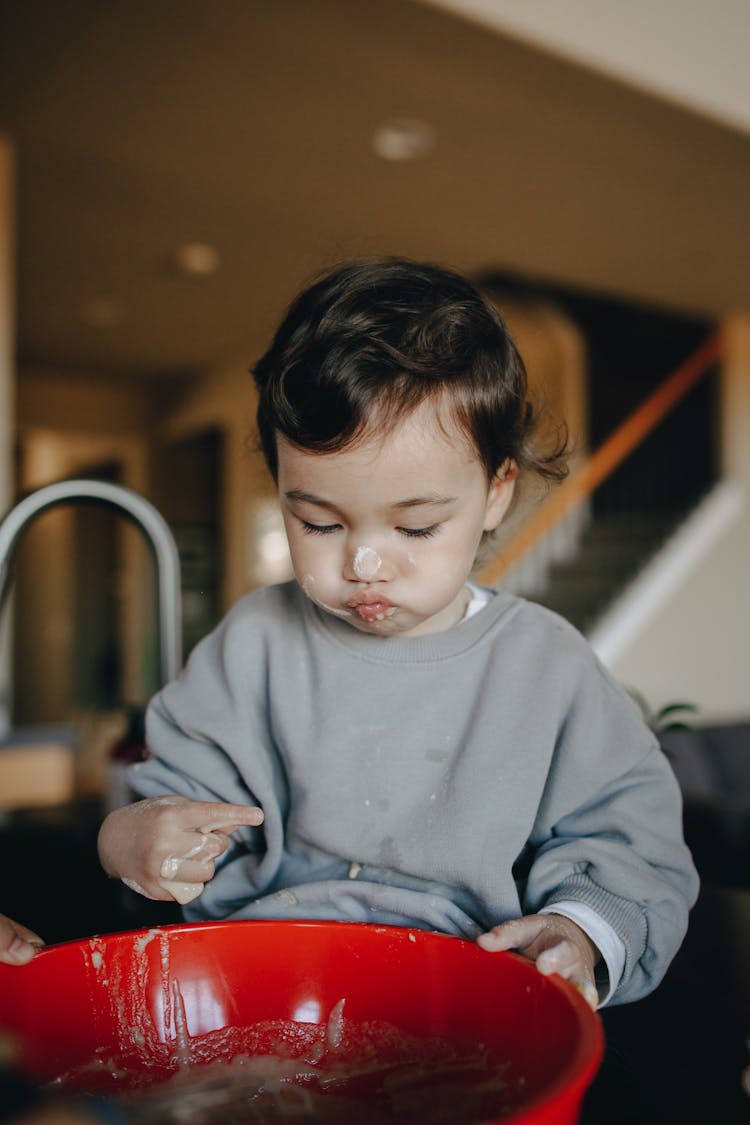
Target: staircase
x=612 y=550
x=600 y=528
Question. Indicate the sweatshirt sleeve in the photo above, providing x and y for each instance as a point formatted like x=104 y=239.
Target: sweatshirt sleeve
x=609 y=833
x=209 y=740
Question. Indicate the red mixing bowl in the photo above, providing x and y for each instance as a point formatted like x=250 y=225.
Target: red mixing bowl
x=352 y=1007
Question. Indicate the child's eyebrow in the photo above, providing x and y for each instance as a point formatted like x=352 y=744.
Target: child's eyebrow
x=306 y=498
x=417 y=501
x=435 y=499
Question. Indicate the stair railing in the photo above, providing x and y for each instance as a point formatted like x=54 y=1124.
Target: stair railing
x=560 y=509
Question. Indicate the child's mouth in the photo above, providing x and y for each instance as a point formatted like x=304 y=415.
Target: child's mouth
x=373 y=611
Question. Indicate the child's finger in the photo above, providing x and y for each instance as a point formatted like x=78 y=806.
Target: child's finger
x=197 y=864
x=210 y=845
x=588 y=991
x=584 y=982
x=19 y=951
x=212 y=816
x=187 y=870
x=566 y=961
x=562 y=958
x=517 y=933
x=18 y=943
x=139 y=890
x=26 y=935
x=221 y=829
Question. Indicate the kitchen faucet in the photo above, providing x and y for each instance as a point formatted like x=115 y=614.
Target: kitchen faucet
x=156 y=531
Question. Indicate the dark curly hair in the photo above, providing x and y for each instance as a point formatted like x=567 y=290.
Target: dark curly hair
x=371 y=340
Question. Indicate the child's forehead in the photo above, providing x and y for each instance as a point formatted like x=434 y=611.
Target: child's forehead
x=426 y=424
x=423 y=436
x=411 y=465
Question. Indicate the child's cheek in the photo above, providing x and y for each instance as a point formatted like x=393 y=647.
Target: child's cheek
x=306 y=561
x=311 y=587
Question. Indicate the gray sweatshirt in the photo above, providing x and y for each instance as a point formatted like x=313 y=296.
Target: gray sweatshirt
x=450 y=781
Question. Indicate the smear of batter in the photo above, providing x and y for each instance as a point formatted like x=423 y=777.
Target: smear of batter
x=182 y=892
x=307 y=583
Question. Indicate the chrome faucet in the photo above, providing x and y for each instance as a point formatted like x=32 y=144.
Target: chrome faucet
x=154 y=527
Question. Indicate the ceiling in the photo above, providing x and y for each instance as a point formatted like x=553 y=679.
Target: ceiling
x=687 y=51
x=247 y=125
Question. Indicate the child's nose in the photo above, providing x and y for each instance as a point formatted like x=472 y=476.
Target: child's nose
x=364 y=564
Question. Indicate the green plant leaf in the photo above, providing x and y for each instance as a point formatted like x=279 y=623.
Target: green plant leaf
x=671 y=708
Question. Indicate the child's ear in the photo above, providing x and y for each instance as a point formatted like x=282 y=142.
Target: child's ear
x=500 y=494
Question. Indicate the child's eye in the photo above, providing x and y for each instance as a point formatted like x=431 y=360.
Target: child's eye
x=319 y=529
x=419 y=532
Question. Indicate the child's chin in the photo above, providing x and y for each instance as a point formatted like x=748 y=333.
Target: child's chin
x=389 y=626
x=384 y=628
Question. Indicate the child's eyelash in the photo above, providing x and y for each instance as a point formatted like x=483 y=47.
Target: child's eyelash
x=330 y=528
x=319 y=529
x=419 y=532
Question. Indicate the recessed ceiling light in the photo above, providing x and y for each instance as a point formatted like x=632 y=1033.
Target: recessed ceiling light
x=103 y=312
x=403 y=138
x=197 y=259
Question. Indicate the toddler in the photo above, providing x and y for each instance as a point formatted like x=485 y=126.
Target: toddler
x=425 y=752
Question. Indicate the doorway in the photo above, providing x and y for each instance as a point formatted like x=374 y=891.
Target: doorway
x=186 y=487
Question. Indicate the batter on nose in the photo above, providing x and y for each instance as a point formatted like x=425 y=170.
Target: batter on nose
x=366 y=564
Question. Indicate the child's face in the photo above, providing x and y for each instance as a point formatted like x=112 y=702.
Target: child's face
x=384 y=534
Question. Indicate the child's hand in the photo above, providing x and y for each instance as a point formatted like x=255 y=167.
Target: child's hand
x=17 y=943
x=555 y=943
x=166 y=847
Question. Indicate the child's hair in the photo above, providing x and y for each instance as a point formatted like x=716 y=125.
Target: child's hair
x=371 y=340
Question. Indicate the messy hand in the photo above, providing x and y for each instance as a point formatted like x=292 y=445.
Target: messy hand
x=166 y=847
x=17 y=943
x=555 y=943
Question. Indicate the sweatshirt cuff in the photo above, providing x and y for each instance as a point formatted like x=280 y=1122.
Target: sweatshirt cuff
x=609 y=944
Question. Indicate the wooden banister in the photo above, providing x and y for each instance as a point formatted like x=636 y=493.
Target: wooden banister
x=603 y=462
